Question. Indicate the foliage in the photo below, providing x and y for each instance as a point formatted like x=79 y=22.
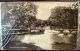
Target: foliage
x=25 y=13
x=40 y=23
x=64 y=17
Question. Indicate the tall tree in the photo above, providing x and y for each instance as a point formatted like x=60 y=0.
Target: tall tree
x=64 y=17
x=25 y=13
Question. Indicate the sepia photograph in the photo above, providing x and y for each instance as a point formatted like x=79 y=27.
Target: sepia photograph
x=39 y=25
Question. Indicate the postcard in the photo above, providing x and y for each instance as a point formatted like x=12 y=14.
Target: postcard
x=39 y=25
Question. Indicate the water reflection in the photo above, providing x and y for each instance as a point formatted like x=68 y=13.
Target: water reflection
x=50 y=39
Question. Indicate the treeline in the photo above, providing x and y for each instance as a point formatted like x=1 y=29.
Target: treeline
x=25 y=15
x=64 y=17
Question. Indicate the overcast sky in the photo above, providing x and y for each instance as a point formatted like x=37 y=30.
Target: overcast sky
x=44 y=8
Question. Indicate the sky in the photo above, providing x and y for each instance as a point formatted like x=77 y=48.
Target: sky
x=44 y=8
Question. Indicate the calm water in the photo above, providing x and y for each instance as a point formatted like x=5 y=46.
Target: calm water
x=43 y=40
x=48 y=38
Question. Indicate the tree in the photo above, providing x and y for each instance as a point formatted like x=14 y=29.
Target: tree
x=25 y=13
x=64 y=17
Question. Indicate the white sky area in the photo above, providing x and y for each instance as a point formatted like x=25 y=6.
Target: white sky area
x=44 y=8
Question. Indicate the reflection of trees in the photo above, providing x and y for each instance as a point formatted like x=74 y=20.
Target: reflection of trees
x=64 y=18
